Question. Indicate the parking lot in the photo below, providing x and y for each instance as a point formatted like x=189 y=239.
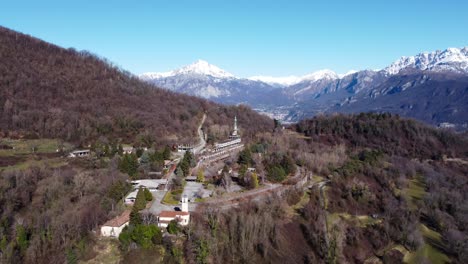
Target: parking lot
x=194 y=190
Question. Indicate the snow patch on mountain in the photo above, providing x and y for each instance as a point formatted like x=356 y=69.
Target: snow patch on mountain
x=451 y=59
x=200 y=67
x=320 y=75
x=285 y=81
x=347 y=73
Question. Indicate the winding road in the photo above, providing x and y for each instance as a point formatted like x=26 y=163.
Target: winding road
x=202 y=143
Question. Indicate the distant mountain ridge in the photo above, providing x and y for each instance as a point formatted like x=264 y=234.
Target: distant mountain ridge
x=293 y=98
x=449 y=60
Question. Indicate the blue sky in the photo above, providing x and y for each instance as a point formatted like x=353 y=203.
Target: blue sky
x=245 y=38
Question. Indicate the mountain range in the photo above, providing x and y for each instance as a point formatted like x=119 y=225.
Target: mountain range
x=430 y=86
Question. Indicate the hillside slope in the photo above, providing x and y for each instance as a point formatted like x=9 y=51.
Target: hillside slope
x=48 y=91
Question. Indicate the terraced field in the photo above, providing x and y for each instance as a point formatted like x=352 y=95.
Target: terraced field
x=24 y=153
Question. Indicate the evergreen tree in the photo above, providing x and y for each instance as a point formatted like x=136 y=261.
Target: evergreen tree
x=139 y=152
x=135 y=217
x=129 y=164
x=185 y=167
x=132 y=165
x=140 y=201
x=145 y=158
x=242 y=171
x=245 y=157
x=172 y=227
x=148 y=195
x=21 y=238
x=276 y=173
x=166 y=153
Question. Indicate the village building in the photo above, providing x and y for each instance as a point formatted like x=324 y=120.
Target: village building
x=114 y=227
x=79 y=153
x=127 y=150
x=191 y=178
x=234 y=139
x=182 y=217
x=131 y=197
x=150 y=184
x=184 y=148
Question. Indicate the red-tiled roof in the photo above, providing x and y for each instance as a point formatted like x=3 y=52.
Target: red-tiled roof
x=119 y=220
x=172 y=213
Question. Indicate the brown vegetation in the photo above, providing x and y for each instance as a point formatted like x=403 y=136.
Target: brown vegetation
x=48 y=91
x=47 y=214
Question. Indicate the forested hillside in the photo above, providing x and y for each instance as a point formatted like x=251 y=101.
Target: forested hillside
x=393 y=191
x=48 y=91
x=52 y=99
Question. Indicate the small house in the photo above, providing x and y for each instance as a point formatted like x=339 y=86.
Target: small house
x=165 y=217
x=127 y=150
x=114 y=227
x=79 y=153
x=131 y=197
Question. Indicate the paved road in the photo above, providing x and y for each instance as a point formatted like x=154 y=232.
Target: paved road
x=157 y=206
x=158 y=196
x=234 y=200
x=201 y=145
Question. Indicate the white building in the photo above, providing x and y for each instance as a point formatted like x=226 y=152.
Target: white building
x=182 y=217
x=79 y=153
x=184 y=148
x=234 y=139
x=127 y=150
x=131 y=197
x=150 y=184
x=114 y=227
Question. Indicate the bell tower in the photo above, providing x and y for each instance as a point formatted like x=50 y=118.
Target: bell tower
x=184 y=203
x=234 y=132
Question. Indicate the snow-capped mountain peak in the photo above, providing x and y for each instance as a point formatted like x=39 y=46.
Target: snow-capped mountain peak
x=319 y=75
x=203 y=68
x=199 y=67
x=291 y=80
x=451 y=59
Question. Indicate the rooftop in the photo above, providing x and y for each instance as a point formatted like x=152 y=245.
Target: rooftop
x=132 y=194
x=173 y=214
x=149 y=183
x=80 y=150
x=119 y=220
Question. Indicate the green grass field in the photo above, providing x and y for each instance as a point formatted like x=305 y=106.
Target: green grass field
x=359 y=220
x=25 y=153
x=430 y=251
x=415 y=191
x=31 y=146
x=171 y=197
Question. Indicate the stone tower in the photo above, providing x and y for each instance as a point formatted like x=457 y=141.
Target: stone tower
x=185 y=203
x=234 y=132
